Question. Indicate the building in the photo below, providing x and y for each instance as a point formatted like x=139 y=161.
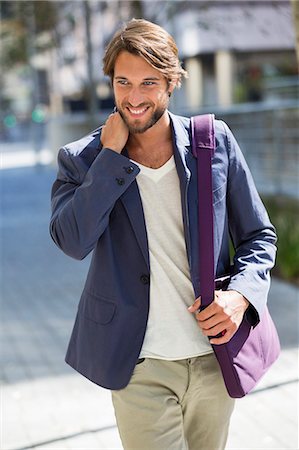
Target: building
x=234 y=51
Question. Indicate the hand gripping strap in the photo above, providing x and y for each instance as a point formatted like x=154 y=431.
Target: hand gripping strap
x=203 y=147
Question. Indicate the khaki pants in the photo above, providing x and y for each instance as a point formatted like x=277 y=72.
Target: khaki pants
x=174 y=405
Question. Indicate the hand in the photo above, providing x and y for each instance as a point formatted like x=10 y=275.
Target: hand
x=223 y=316
x=114 y=133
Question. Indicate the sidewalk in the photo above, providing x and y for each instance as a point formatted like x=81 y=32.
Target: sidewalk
x=16 y=154
x=45 y=404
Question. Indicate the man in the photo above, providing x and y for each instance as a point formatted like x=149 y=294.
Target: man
x=128 y=192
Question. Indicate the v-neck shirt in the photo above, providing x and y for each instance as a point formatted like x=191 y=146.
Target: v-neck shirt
x=172 y=331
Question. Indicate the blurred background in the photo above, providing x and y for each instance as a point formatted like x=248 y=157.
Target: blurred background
x=242 y=65
x=241 y=60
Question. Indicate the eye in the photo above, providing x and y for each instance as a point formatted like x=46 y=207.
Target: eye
x=149 y=83
x=122 y=82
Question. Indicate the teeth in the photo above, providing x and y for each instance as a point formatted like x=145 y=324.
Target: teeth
x=137 y=111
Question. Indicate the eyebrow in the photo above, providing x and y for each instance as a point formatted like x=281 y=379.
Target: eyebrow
x=144 y=79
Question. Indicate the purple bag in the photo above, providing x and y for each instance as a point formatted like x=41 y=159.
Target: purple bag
x=251 y=351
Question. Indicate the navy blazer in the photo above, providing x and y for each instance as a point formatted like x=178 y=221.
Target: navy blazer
x=96 y=206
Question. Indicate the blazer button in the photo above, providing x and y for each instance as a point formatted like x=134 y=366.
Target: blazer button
x=129 y=169
x=144 y=279
x=120 y=181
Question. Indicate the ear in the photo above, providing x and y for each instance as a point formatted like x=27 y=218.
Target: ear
x=171 y=86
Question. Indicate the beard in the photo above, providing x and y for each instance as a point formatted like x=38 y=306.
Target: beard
x=135 y=127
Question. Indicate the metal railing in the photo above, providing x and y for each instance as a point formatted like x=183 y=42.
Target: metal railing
x=268 y=135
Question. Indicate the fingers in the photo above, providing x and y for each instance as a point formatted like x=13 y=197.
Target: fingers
x=196 y=305
x=214 y=325
x=114 y=133
x=221 y=319
x=226 y=336
x=219 y=329
x=113 y=118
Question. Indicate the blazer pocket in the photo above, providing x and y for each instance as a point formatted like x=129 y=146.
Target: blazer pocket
x=97 y=309
x=219 y=193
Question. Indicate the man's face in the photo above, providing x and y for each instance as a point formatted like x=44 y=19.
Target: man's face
x=141 y=92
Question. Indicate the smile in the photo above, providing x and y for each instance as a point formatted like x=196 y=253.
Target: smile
x=137 y=112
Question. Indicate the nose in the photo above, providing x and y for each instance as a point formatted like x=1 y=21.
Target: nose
x=135 y=97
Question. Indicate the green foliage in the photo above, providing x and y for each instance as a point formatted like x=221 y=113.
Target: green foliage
x=284 y=214
x=21 y=20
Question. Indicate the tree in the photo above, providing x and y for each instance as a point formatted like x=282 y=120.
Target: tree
x=295 y=5
x=91 y=94
x=19 y=20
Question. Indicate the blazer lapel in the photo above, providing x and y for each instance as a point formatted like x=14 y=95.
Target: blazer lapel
x=184 y=164
x=187 y=171
x=132 y=202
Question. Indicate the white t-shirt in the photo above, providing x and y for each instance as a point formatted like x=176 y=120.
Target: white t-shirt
x=172 y=331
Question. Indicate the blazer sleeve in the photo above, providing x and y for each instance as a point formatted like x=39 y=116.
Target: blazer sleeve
x=252 y=234
x=82 y=200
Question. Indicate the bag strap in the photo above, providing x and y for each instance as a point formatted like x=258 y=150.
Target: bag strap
x=203 y=147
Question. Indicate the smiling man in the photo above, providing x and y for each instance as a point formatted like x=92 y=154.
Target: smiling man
x=141 y=96
x=128 y=193
x=141 y=100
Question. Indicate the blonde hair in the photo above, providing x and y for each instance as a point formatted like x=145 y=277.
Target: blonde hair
x=149 y=41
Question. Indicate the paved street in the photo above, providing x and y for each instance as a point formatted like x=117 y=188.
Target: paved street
x=45 y=404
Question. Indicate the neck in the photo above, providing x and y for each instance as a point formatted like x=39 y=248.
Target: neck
x=153 y=147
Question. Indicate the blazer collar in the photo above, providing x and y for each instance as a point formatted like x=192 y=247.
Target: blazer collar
x=181 y=144
x=180 y=132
